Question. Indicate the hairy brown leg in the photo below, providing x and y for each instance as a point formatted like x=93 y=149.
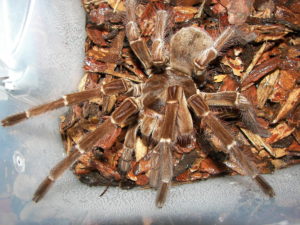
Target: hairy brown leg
x=206 y=56
x=161 y=160
x=64 y=101
x=114 y=87
x=158 y=45
x=54 y=174
x=137 y=44
x=129 y=146
x=148 y=124
x=184 y=123
x=230 y=145
x=240 y=102
x=102 y=134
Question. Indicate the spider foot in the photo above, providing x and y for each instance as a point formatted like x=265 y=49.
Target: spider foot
x=265 y=186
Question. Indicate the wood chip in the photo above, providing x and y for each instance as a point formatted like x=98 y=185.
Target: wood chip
x=140 y=149
x=219 y=78
x=281 y=131
x=254 y=61
x=289 y=105
x=117 y=5
x=184 y=13
x=258 y=141
x=266 y=88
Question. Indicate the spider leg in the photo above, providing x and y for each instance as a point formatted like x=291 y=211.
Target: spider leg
x=129 y=146
x=240 y=102
x=137 y=44
x=54 y=174
x=114 y=87
x=209 y=54
x=201 y=109
x=64 y=101
x=158 y=45
x=102 y=134
x=185 y=127
x=149 y=122
x=161 y=172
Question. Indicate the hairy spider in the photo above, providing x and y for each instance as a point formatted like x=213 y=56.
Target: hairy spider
x=163 y=108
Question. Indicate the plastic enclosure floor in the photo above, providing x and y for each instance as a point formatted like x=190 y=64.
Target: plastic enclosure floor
x=41 y=59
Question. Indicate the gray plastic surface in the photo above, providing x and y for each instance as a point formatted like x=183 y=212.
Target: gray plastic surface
x=41 y=54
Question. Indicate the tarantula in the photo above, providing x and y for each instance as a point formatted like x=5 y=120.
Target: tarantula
x=162 y=108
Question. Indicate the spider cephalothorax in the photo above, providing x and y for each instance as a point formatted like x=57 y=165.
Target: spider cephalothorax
x=162 y=109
